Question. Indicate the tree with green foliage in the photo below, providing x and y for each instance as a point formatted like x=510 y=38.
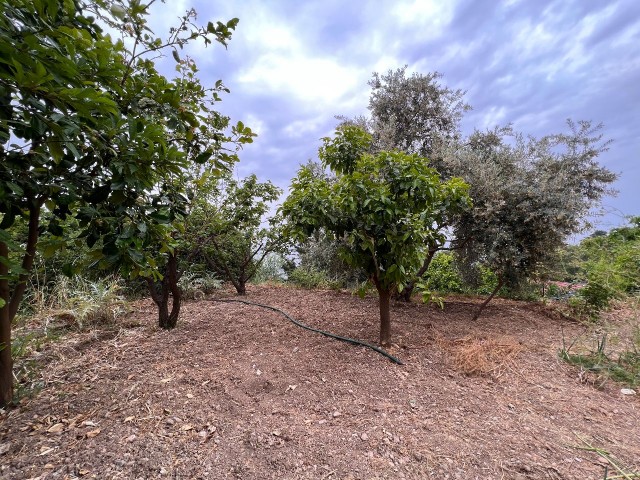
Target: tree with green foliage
x=609 y=263
x=529 y=196
x=384 y=205
x=414 y=113
x=227 y=230
x=89 y=128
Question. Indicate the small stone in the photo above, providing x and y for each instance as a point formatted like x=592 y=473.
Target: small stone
x=336 y=414
x=163 y=471
x=627 y=391
x=131 y=438
x=364 y=437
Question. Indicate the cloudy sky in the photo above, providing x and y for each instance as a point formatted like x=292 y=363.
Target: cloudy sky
x=292 y=66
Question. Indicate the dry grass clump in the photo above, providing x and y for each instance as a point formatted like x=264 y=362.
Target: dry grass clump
x=482 y=356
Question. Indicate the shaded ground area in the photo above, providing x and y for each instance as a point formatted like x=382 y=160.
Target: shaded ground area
x=239 y=392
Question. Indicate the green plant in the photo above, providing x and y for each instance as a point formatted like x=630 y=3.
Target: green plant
x=88 y=302
x=226 y=230
x=443 y=275
x=307 y=277
x=271 y=269
x=196 y=285
x=386 y=207
x=624 y=369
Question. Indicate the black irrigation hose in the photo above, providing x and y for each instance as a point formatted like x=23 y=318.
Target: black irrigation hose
x=352 y=341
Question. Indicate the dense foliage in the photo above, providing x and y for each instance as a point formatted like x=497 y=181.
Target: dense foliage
x=226 y=231
x=384 y=206
x=90 y=129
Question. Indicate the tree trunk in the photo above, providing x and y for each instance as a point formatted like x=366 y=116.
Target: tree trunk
x=241 y=287
x=27 y=260
x=12 y=301
x=493 y=294
x=385 y=316
x=6 y=362
x=406 y=293
x=160 y=295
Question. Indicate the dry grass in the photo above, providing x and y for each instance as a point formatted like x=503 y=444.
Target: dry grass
x=480 y=356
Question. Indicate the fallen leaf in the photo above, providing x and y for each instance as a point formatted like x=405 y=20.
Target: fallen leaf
x=45 y=450
x=129 y=419
x=82 y=473
x=189 y=395
x=93 y=433
x=166 y=380
x=186 y=427
x=57 y=428
x=88 y=423
x=5 y=448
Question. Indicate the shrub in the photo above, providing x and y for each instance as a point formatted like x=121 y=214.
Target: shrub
x=308 y=277
x=87 y=301
x=272 y=268
x=443 y=275
x=195 y=285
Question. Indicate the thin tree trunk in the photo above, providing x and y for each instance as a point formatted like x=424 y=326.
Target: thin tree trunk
x=6 y=362
x=385 y=316
x=27 y=260
x=493 y=294
x=172 y=279
x=406 y=293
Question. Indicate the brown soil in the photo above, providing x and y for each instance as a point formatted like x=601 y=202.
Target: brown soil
x=237 y=391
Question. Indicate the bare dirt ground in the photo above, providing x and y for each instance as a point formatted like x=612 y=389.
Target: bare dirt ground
x=239 y=392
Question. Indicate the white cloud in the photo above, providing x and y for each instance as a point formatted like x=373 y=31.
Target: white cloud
x=301 y=128
x=306 y=78
x=433 y=13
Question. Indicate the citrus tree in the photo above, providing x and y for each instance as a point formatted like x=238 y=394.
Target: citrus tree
x=384 y=206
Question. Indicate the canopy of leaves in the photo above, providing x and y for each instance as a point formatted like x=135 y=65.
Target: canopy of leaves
x=227 y=229
x=529 y=196
x=384 y=206
x=414 y=114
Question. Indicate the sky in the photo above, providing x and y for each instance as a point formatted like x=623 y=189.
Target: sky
x=292 y=66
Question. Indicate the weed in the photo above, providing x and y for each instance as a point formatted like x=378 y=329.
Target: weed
x=196 y=285
x=625 y=369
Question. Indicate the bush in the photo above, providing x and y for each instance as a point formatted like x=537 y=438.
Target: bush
x=443 y=275
x=272 y=268
x=322 y=254
x=308 y=277
x=87 y=301
x=195 y=285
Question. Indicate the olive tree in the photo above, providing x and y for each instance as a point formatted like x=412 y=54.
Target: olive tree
x=384 y=205
x=529 y=195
